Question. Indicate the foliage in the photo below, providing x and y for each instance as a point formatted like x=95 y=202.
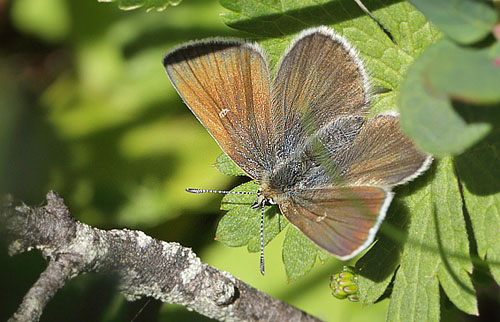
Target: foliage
x=87 y=110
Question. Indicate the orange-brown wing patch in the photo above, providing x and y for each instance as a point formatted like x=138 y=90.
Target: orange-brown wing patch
x=226 y=85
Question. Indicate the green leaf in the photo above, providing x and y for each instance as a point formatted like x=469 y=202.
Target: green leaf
x=376 y=268
x=158 y=5
x=479 y=171
x=429 y=117
x=299 y=254
x=452 y=239
x=277 y=18
x=436 y=252
x=465 y=21
x=240 y=226
x=466 y=74
x=226 y=166
x=233 y=201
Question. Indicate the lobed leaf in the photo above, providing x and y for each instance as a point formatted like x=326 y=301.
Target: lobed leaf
x=479 y=172
x=436 y=252
x=299 y=254
x=279 y=18
x=376 y=268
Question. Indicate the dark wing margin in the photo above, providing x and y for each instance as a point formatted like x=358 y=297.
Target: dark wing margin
x=226 y=84
x=342 y=221
x=382 y=155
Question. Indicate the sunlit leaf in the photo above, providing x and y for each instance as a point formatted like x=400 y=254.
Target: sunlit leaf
x=436 y=252
x=226 y=166
x=299 y=254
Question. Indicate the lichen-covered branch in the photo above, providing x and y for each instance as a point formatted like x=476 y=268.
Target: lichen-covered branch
x=145 y=266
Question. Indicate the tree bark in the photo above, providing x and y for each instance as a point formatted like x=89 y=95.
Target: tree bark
x=145 y=266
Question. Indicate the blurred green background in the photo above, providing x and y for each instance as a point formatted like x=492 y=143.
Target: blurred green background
x=87 y=110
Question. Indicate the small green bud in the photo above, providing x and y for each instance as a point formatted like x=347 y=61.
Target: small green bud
x=343 y=284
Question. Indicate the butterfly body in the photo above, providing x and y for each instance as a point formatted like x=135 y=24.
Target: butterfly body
x=302 y=133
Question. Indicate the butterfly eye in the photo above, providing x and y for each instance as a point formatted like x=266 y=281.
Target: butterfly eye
x=270 y=202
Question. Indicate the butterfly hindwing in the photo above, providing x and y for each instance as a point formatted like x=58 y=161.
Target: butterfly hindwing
x=382 y=155
x=342 y=221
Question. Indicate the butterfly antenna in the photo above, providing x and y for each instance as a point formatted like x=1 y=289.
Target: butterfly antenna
x=140 y=311
x=262 y=271
x=190 y=190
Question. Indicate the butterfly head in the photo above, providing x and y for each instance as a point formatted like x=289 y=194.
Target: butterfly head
x=265 y=196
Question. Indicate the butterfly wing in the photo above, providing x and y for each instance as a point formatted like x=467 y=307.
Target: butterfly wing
x=319 y=80
x=382 y=155
x=342 y=221
x=342 y=166
x=344 y=217
x=321 y=93
x=226 y=85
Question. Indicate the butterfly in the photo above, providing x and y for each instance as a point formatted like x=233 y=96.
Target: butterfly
x=301 y=131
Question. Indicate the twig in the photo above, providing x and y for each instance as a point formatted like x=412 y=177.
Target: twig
x=145 y=266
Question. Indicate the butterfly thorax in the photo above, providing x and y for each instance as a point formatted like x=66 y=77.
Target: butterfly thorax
x=289 y=177
x=315 y=160
x=268 y=195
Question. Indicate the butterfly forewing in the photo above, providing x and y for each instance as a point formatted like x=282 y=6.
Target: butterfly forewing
x=320 y=79
x=226 y=85
x=342 y=221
